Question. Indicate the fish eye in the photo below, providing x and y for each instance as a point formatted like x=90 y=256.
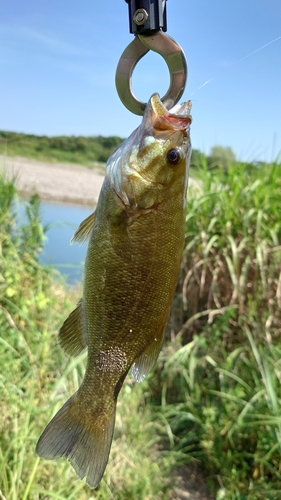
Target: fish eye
x=174 y=156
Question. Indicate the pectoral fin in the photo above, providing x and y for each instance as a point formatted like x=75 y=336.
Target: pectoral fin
x=73 y=333
x=145 y=362
x=83 y=233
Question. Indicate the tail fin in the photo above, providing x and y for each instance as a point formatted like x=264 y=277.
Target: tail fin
x=82 y=438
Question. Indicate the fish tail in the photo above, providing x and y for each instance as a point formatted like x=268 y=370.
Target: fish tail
x=82 y=436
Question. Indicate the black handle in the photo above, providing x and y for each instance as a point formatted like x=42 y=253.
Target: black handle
x=147 y=16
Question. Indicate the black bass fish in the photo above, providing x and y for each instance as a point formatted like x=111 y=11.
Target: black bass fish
x=136 y=238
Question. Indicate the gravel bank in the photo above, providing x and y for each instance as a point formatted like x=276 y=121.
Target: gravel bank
x=54 y=181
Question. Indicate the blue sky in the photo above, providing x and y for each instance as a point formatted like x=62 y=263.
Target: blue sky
x=58 y=62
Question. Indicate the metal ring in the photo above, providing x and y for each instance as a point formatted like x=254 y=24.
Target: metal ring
x=176 y=62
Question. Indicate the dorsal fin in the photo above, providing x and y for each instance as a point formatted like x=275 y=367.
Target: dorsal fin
x=83 y=233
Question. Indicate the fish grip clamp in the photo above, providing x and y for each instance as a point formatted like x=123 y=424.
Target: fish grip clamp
x=148 y=23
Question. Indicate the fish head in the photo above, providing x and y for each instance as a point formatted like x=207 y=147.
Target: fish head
x=152 y=164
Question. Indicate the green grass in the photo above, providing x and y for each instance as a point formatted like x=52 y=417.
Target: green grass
x=220 y=392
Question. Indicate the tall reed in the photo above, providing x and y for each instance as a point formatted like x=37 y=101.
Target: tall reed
x=220 y=376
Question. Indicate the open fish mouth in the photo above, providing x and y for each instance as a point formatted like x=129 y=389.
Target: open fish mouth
x=178 y=118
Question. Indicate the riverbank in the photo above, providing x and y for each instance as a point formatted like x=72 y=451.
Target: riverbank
x=62 y=182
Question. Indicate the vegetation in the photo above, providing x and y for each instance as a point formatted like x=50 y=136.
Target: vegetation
x=222 y=157
x=214 y=397
x=220 y=377
x=89 y=151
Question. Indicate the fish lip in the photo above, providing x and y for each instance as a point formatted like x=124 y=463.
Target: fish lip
x=178 y=118
x=177 y=110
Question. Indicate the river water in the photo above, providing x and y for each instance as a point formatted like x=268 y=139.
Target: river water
x=63 y=220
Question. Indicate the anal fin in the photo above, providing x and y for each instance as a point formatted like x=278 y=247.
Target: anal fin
x=83 y=233
x=145 y=362
x=73 y=333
